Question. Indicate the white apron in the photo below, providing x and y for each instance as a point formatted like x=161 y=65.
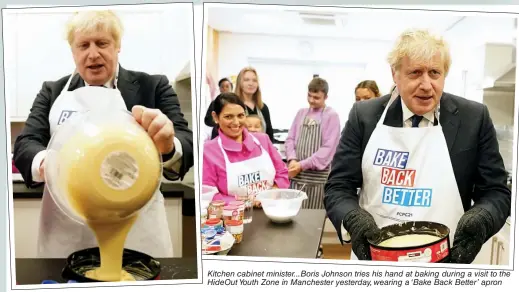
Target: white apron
x=59 y=236
x=389 y=153
x=249 y=177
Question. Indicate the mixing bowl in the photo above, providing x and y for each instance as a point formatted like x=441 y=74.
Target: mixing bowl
x=89 y=154
x=281 y=205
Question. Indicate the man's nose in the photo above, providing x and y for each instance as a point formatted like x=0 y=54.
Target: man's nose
x=93 y=51
x=426 y=83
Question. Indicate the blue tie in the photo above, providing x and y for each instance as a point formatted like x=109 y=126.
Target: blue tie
x=416 y=121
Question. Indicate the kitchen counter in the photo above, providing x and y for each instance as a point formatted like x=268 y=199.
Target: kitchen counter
x=34 y=271
x=298 y=239
x=169 y=190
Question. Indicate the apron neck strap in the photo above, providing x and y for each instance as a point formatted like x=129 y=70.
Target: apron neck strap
x=69 y=80
x=322 y=111
x=115 y=80
x=256 y=141
x=392 y=99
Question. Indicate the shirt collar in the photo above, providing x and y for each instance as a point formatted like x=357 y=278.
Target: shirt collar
x=112 y=82
x=231 y=145
x=407 y=113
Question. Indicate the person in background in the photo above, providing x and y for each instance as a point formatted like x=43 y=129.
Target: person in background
x=236 y=152
x=225 y=85
x=366 y=89
x=311 y=143
x=445 y=144
x=249 y=91
x=253 y=123
x=95 y=41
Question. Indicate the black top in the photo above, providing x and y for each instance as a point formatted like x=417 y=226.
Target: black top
x=473 y=147
x=137 y=88
x=208 y=120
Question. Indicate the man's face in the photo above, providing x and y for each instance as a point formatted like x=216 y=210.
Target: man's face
x=420 y=84
x=96 y=56
x=317 y=99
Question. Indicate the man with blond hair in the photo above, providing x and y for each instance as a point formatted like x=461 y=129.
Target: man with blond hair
x=420 y=154
x=95 y=41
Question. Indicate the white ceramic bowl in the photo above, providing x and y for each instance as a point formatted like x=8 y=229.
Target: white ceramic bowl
x=281 y=205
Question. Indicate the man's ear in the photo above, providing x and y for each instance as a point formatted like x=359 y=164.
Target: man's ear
x=394 y=74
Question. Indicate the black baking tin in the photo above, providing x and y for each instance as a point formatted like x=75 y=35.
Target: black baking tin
x=141 y=266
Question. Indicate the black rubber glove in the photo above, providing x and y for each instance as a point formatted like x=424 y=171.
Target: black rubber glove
x=361 y=226
x=473 y=230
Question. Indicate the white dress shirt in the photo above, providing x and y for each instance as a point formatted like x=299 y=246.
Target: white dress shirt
x=427 y=121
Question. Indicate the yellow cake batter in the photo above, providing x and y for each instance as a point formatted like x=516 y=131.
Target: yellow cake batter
x=409 y=240
x=108 y=175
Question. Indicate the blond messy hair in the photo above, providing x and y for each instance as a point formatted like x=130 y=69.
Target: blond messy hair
x=419 y=45
x=95 y=21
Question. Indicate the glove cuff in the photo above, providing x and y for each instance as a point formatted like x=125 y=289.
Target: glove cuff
x=486 y=219
x=358 y=221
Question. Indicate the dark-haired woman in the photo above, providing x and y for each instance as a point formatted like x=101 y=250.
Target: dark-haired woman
x=237 y=162
x=249 y=92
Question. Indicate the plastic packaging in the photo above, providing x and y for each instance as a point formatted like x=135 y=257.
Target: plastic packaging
x=63 y=159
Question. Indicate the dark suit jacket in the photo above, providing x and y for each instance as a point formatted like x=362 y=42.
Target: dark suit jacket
x=473 y=148
x=137 y=88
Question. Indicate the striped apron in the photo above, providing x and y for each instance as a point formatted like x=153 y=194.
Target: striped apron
x=308 y=143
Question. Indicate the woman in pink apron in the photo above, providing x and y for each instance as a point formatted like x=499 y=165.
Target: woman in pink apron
x=237 y=162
